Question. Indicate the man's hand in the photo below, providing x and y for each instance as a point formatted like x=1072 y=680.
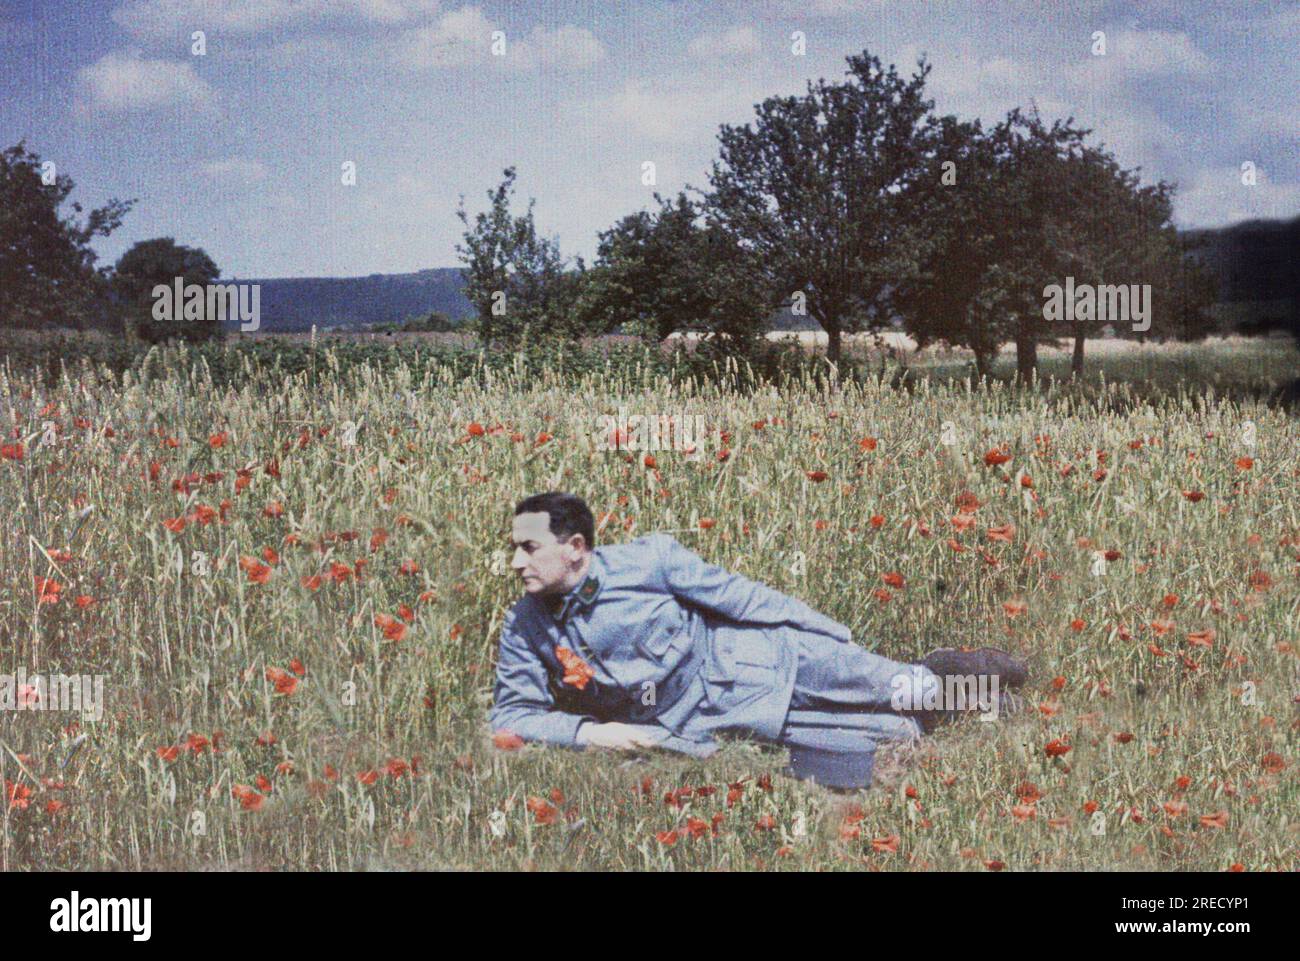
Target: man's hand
x=620 y=736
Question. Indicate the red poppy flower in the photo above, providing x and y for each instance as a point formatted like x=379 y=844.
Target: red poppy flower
x=1056 y=748
x=258 y=573
x=1219 y=819
x=394 y=630
x=577 y=672
x=1273 y=763
x=285 y=683
x=507 y=740
x=543 y=811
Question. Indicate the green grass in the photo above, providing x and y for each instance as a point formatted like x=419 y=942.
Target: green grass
x=188 y=653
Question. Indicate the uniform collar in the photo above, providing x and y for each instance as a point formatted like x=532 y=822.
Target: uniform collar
x=584 y=593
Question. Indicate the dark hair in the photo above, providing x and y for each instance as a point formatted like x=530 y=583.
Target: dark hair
x=569 y=514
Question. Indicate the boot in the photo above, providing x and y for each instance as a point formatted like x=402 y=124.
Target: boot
x=1011 y=671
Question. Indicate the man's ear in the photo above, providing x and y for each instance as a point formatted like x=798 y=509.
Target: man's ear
x=577 y=543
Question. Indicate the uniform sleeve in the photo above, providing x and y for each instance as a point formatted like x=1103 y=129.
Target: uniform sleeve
x=694 y=581
x=522 y=702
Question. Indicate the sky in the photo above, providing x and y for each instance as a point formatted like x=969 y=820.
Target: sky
x=240 y=150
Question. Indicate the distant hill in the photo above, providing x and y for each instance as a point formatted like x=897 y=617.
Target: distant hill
x=295 y=303
x=1258 y=263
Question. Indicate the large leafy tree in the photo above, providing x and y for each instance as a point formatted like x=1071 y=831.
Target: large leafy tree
x=161 y=261
x=1010 y=211
x=1117 y=231
x=814 y=190
x=515 y=279
x=47 y=268
x=957 y=293
x=660 y=272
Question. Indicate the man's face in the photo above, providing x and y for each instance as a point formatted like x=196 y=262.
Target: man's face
x=541 y=561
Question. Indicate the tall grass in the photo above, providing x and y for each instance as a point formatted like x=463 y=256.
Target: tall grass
x=1169 y=671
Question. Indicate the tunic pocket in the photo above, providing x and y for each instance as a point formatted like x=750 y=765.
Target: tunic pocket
x=756 y=648
x=657 y=646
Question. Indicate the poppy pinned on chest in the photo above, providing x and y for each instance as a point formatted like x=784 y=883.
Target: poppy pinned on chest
x=577 y=672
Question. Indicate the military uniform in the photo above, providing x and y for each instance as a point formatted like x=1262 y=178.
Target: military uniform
x=655 y=636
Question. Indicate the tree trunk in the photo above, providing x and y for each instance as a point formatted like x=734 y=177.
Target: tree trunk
x=981 y=364
x=833 y=341
x=1026 y=359
x=1076 y=362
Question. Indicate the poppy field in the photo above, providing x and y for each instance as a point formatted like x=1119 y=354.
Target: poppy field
x=292 y=588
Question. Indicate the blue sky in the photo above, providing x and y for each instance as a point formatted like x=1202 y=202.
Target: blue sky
x=239 y=151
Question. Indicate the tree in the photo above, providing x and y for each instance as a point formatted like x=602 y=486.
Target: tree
x=663 y=272
x=516 y=281
x=813 y=190
x=1010 y=212
x=47 y=272
x=161 y=261
x=956 y=295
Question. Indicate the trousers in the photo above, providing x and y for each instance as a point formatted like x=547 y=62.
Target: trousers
x=843 y=697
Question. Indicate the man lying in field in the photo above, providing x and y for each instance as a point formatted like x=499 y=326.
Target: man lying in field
x=644 y=644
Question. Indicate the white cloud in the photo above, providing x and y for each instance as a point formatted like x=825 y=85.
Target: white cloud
x=567 y=47
x=682 y=110
x=1217 y=198
x=126 y=81
x=736 y=42
x=234 y=170
x=170 y=19
x=1138 y=55
x=970 y=85
x=458 y=38
x=463 y=37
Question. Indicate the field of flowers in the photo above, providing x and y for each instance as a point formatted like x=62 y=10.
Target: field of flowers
x=292 y=587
